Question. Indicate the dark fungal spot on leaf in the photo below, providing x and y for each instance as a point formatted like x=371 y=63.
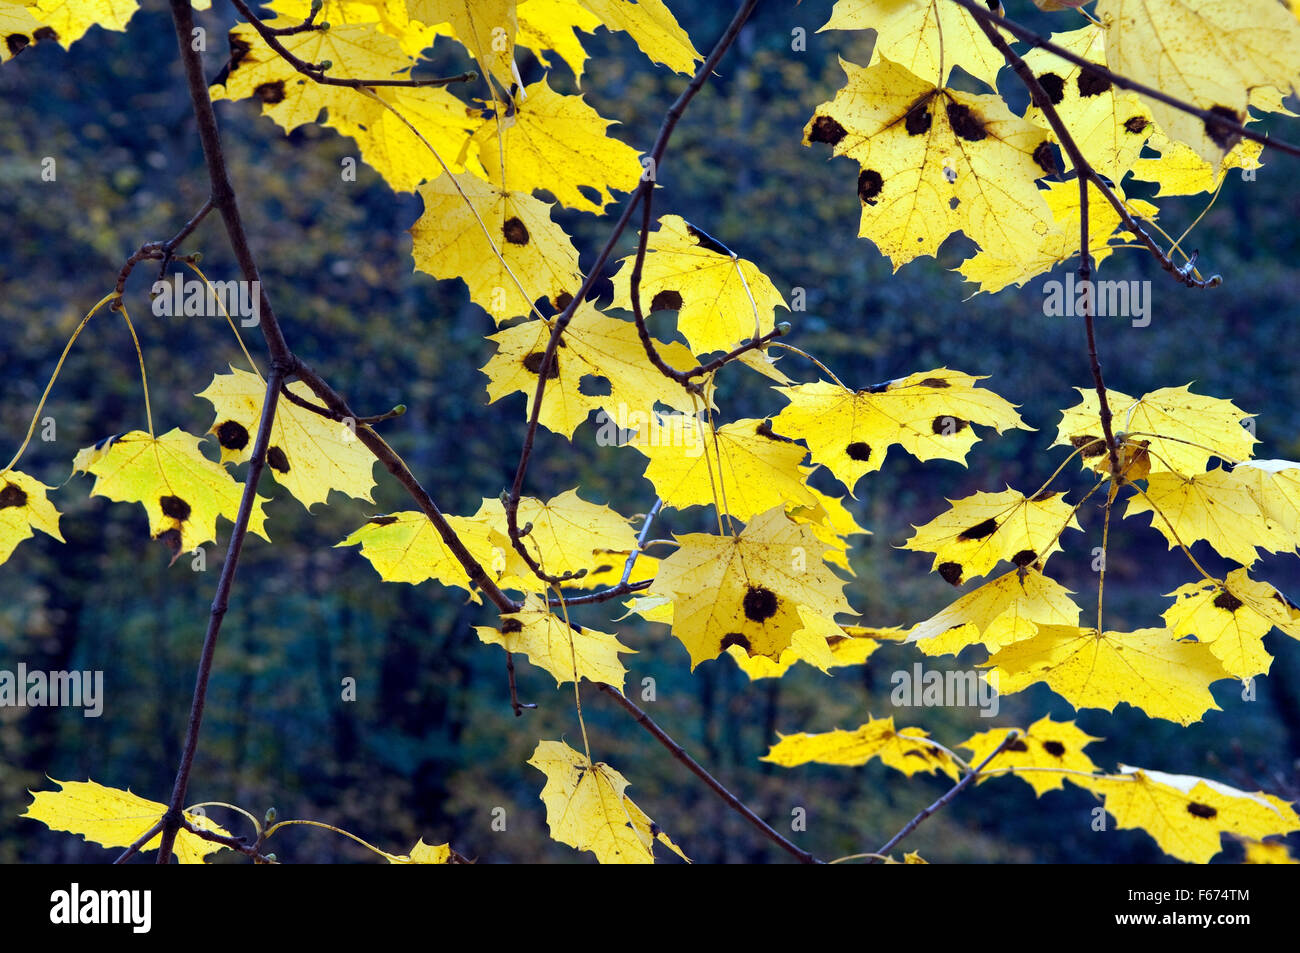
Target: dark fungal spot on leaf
x=913 y=753
x=734 y=638
x=232 y=435
x=951 y=573
x=858 y=451
x=666 y=300
x=707 y=241
x=1197 y=809
x=1045 y=158
x=760 y=603
x=1042 y=497
x=1015 y=744
x=980 y=530
x=1054 y=86
x=947 y=426
x=533 y=362
x=1136 y=124
x=1221 y=135
x=1092 y=83
x=174 y=507
x=563 y=300
x=825 y=129
x=44 y=34
x=276 y=460
x=606 y=567
x=1026 y=557
x=965 y=122
x=12 y=495
x=764 y=429
x=869 y=185
x=918 y=120
x=382 y=520
x=17 y=42
x=1054 y=748
x=515 y=231
x=511 y=625
x=270 y=93
x=1226 y=600
x=937 y=383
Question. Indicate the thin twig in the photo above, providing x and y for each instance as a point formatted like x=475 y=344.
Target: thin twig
x=938 y=805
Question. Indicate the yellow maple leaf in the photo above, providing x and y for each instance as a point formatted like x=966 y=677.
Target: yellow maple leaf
x=721 y=300
x=18 y=29
x=450 y=243
x=747 y=589
x=903 y=749
x=1212 y=506
x=1196 y=427
x=1275 y=485
x=182 y=490
x=1047 y=744
x=308 y=454
x=587 y=807
x=389 y=146
x=115 y=818
x=821 y=643
x=70 y=19
x=1187 y=815
x=552 y=25
x=24 y=507
x=1004 y=610
x=560 y=144
x=388 y=16
x=1267 y=852
x=406 y=547
x=743 y=468
x=935 y=161
x=1109 y=125
x=1179 y=170
x=423 y=853
x=979 y=531
x=929 y=414
x=595 y=346
x=1231 y=617
x=652 y=27
x=556 y=647
x=1148 y=668
x=354 y=50
x=1208 y=54
x=926 y=37
x=1059 y=241
x=486 y=28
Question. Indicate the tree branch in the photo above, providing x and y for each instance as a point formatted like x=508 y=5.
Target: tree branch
x=938 y=805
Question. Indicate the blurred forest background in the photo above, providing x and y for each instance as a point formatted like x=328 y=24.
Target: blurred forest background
x=430 y=747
